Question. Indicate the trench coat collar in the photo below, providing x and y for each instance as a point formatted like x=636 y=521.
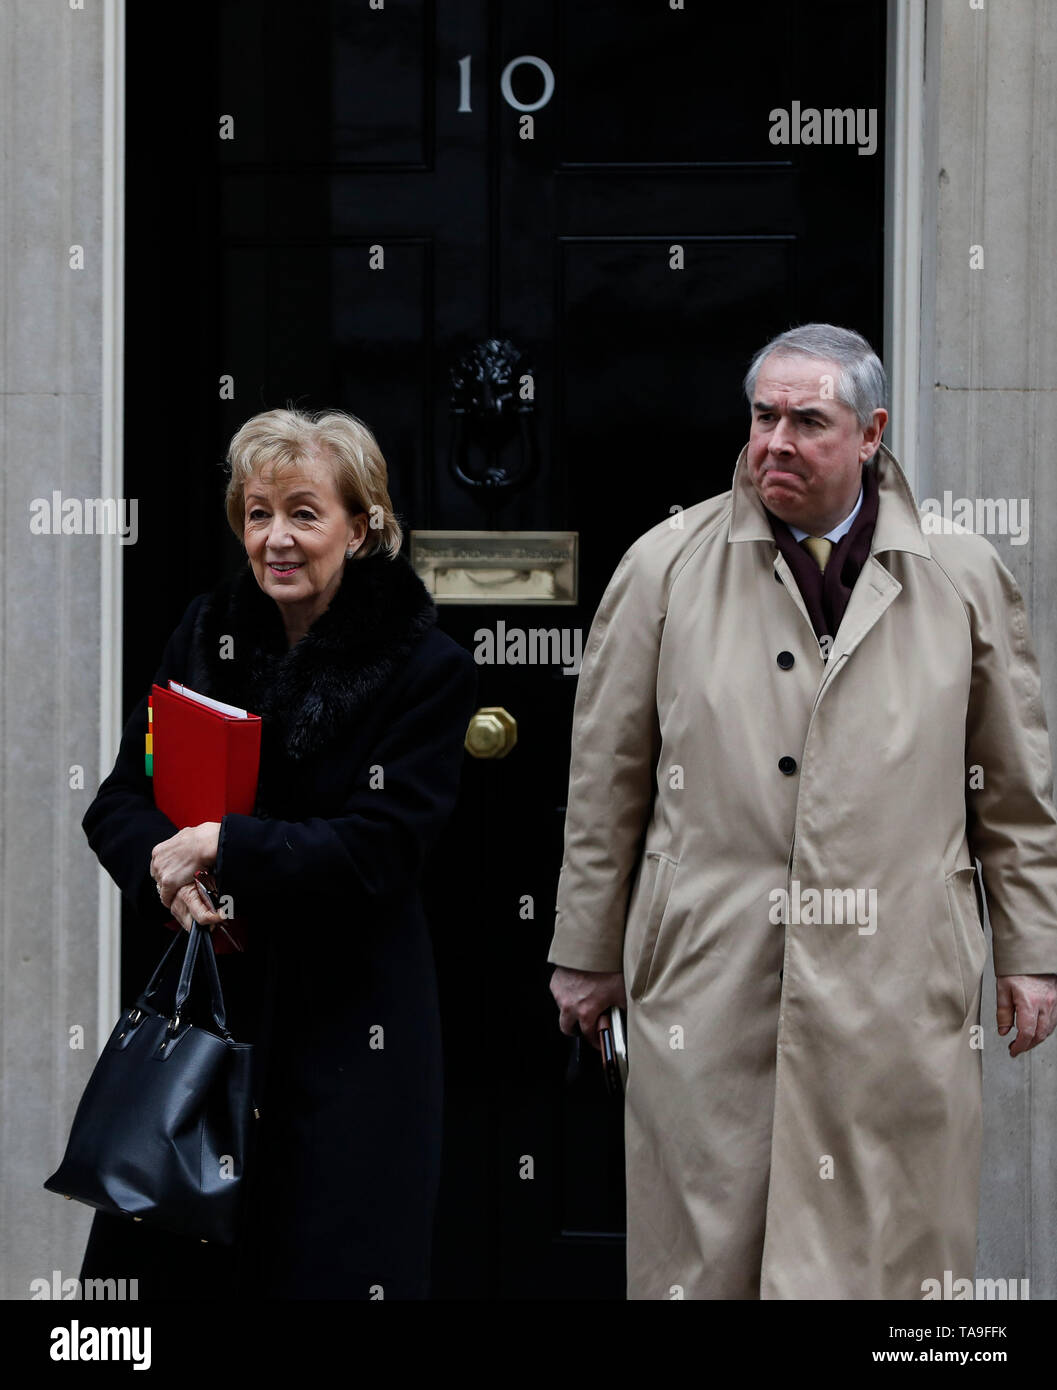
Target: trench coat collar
x=898 y=520
x=898 y=527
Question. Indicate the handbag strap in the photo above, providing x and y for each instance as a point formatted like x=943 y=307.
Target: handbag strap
x=155 y=981
x=198 y=941
x=187 y=970
x=201 y=941
x=219 y=1012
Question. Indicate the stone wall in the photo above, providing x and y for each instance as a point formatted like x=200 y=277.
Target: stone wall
x=988 y=429
x=51 y=425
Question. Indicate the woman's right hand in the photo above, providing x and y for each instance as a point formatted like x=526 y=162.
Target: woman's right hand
x=189 y=906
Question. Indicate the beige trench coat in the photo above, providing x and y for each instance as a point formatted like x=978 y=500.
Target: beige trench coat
x=803 y=1110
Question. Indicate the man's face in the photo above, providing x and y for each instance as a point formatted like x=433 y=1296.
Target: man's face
x=806 y=448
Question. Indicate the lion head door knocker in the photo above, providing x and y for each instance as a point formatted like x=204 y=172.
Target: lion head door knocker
x=492 y=422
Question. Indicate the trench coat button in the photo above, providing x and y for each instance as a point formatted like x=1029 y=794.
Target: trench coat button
x=785 y=660
x=787 y=765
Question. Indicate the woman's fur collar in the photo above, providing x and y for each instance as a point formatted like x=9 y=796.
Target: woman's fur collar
x=309 y=691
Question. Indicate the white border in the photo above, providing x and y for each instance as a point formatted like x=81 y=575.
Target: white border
x=112 y=476
x=905 y=124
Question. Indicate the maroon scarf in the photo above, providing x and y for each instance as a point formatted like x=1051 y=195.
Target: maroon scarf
x=826 y=593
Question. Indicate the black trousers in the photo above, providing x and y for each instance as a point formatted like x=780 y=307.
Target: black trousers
x=174 y=1267
x=165 y=1266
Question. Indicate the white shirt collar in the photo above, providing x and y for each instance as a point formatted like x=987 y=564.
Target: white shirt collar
x=838 y=530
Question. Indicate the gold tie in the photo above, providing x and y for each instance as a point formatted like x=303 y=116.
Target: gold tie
x=818 y=547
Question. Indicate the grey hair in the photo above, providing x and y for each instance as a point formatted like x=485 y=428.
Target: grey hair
x=862 y=383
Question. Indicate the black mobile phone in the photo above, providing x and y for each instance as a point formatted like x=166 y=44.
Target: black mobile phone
x=610 y=1065
x=207 y=889
x=614 y=1042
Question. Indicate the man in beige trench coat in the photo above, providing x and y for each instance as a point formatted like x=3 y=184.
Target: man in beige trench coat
x=769 y=856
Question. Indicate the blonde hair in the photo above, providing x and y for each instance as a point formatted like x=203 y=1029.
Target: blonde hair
x=283 y=439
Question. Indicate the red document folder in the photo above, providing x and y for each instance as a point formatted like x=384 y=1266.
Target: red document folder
x=205 y=764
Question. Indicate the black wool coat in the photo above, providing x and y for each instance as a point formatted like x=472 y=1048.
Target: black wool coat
x=363 y=723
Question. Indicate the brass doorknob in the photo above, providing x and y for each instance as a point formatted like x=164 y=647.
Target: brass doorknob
x=492 y=733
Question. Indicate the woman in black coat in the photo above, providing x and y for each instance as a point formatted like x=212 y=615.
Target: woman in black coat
x=330 y=636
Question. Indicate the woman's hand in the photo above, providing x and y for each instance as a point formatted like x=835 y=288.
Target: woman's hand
x=189 y=906
x=174 y=863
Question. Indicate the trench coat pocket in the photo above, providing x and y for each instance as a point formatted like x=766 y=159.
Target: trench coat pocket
x=647 y=907
x=970 y=943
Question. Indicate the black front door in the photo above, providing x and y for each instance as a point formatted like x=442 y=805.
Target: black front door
x=333 y=204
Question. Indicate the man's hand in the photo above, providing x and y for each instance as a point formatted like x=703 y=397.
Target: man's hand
x=174 y=862
x=582 y=995
x=1031 y=1002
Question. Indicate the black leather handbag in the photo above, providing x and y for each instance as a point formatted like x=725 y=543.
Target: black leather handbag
x=164 y=1128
